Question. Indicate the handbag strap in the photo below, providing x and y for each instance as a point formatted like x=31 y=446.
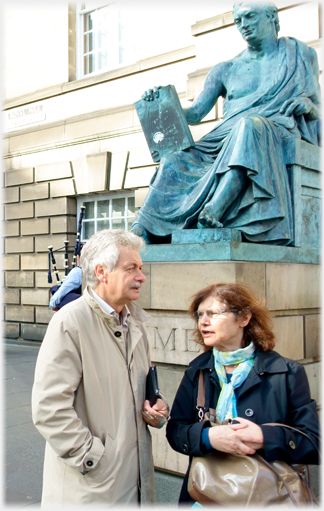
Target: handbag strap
x=307 y=468
x=201 y=401
x=294 y=429
x=201 y=396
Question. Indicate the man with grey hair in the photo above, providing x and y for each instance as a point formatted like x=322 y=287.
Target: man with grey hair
x=88 y=398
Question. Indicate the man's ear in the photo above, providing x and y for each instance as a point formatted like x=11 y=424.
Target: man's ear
x=101 y=273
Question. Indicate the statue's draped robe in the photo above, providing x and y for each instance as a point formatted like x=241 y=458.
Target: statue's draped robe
x=249 y=137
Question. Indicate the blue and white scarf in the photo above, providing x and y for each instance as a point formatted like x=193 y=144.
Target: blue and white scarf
x=226 y=405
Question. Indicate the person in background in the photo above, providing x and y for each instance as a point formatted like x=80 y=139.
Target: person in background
x=69 y=290
x=244 y=380
x=88 y=397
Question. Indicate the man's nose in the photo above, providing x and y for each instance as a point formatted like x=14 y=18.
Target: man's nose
x=140 y=276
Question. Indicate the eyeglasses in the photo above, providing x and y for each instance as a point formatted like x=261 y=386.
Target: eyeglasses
x=198 y=315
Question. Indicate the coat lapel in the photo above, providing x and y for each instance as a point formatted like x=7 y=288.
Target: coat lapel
x=265 y=362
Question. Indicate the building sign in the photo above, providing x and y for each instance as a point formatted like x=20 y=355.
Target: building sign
x=25 y=116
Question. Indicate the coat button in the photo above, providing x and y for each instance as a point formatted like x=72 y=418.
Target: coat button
x=89 y=463
x=292 y=444
x=249 y=412
x=118 y=333
x=185 y=448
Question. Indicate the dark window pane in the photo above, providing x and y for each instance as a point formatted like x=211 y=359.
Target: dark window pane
x=118 y=223
x=89 y=210
x=88 y=22
x=89 y=64
x=131 y=206
x=103 y=209
x=88 y=229
x=88 y=42
x=129 y=223
x=118 y=207
x=103 y=224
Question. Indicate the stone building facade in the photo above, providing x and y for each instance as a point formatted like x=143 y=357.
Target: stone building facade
x=71 y=140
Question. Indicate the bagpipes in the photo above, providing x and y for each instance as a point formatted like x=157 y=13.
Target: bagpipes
x=51 y=258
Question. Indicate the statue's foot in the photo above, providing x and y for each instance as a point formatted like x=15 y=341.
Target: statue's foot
x=139 y=230
x=207 y=218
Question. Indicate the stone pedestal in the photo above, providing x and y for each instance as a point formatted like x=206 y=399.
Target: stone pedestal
x=287 y=278
x=290 y=287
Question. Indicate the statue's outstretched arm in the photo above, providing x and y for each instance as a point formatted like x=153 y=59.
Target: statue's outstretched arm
x=213 y=89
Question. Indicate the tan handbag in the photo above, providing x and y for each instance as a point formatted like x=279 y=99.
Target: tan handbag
x=236 y=480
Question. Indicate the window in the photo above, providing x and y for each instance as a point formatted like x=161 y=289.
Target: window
x=121 y=33
x=108 y=35
x=106 y=212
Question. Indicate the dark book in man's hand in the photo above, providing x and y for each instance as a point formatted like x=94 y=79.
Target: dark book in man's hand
x=152 y=386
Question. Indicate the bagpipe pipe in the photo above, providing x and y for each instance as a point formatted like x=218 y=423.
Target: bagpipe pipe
x=52 y=261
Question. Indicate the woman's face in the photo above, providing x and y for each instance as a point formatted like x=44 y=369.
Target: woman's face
x=223 y=331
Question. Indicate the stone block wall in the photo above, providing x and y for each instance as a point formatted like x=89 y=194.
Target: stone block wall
x=292 y=294
x=34 y=218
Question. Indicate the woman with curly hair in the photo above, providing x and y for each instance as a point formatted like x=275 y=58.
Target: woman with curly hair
x=245 y=380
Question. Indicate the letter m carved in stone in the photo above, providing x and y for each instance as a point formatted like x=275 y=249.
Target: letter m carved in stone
x=166 y=343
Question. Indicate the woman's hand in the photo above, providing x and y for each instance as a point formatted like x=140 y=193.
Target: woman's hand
x=243 y=438
x=156 y=414
x=253 y=429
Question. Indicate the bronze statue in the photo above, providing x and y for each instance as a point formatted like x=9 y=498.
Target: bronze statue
x=235 y=176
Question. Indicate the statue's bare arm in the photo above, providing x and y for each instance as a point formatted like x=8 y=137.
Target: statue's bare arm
x=213 y=89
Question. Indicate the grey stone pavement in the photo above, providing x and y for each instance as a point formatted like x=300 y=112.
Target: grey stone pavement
x=23 y=446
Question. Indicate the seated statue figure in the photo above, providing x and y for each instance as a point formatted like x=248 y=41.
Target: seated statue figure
x=235 y=176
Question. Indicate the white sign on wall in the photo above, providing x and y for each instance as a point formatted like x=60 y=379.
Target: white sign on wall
x=24 y=116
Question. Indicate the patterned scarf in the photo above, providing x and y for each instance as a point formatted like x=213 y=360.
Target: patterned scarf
x=226 y=405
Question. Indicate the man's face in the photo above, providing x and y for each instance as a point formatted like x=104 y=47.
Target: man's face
x=123 y=284
x=252 y=22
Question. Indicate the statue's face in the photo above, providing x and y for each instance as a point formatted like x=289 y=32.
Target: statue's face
x=252 y=21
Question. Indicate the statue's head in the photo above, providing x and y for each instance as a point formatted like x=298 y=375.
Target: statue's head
x=249 y=12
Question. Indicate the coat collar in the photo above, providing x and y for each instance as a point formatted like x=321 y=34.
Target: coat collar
x=138 y=315
x=265 y=362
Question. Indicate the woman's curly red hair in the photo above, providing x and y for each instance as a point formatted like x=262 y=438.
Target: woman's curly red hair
x=241 y=299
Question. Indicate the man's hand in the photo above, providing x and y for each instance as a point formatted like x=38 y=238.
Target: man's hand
x=298 y=106
x=150 y=94
x=243 y=438
x=155 y=415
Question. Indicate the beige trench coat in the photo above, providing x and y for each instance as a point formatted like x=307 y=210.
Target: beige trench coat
x=87 y=402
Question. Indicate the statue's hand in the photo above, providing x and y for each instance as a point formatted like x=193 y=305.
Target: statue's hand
x=150 y=94
x=297 y=106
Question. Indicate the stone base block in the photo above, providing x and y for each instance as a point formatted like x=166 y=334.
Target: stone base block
x=33 y=332
x=205 y=235
x=11 y=330
x=229 y=251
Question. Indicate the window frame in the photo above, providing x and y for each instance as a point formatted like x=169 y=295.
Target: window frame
x=82 y=200
x=81 y=11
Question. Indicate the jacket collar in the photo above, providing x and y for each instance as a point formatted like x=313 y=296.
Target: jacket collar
x=136 y=313
x=265 y=362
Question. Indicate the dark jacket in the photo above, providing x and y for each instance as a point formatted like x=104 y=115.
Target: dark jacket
x=276 y=390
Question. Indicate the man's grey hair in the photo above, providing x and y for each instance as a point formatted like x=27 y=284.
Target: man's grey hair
x=270 y=10
x=103 y=248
